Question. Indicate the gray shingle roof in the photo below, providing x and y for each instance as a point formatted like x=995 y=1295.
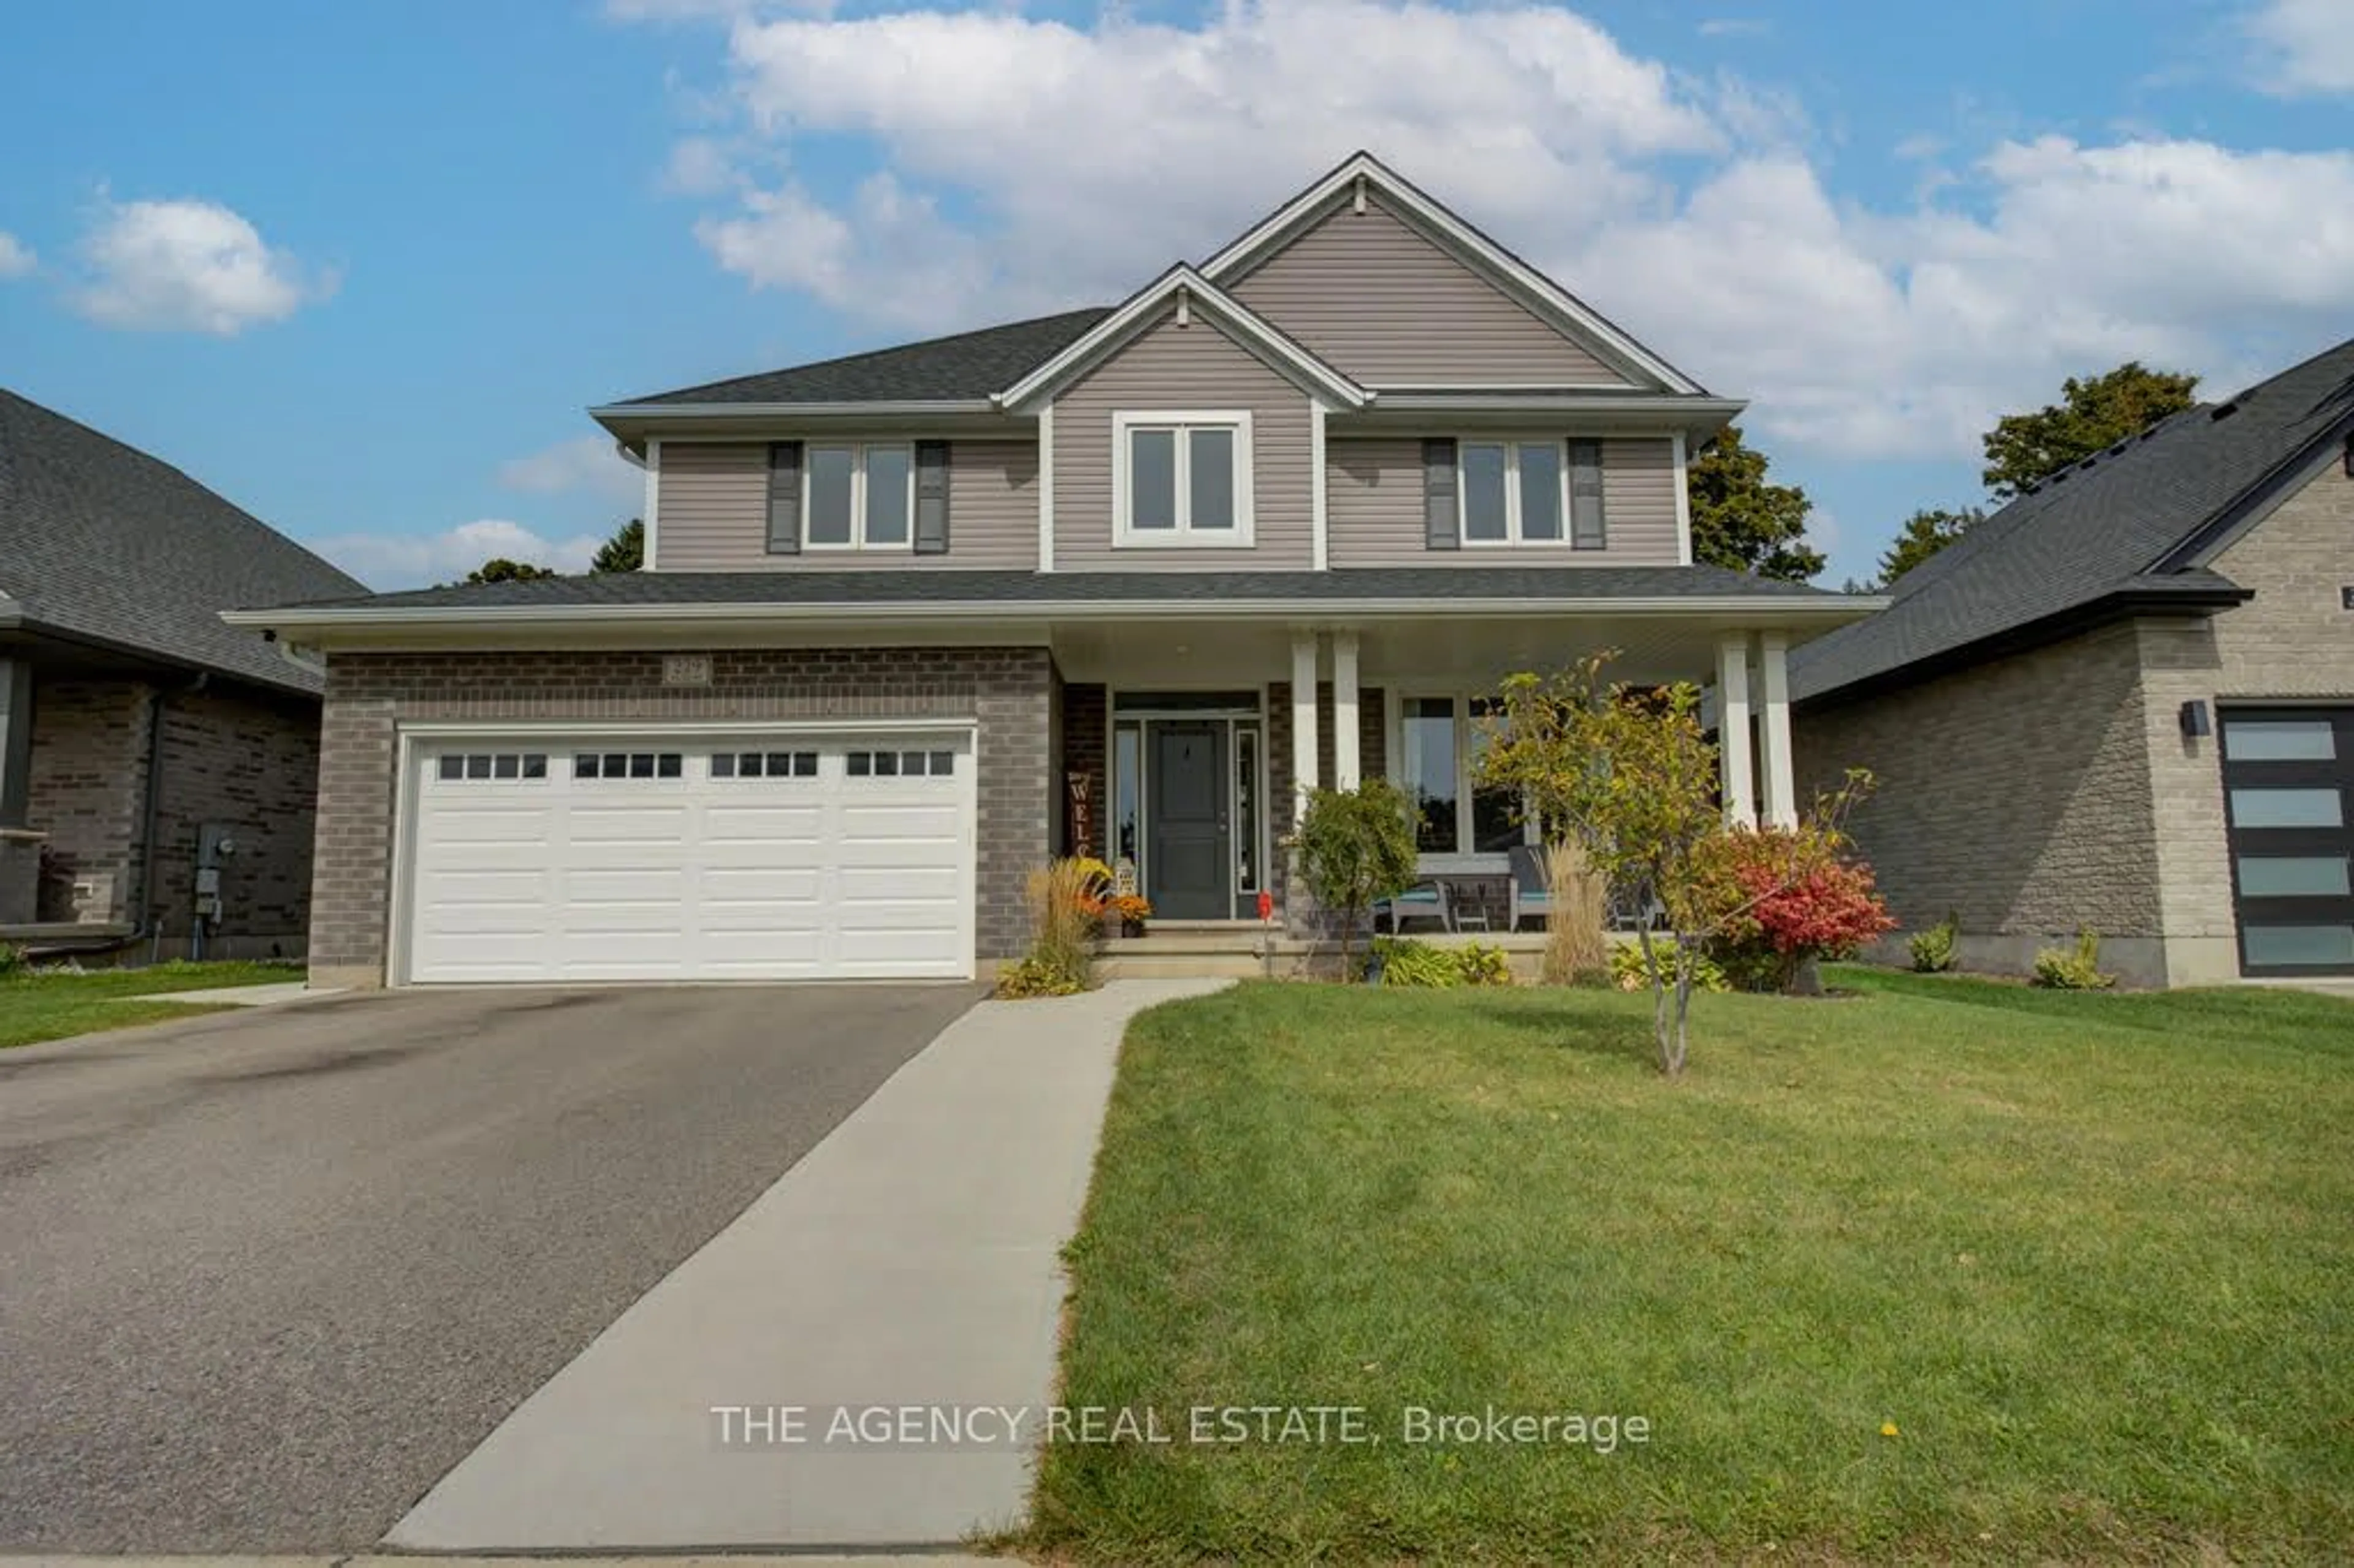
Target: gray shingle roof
x=970 y=365
x=1408 y=585
x=101 y=541
x=2096 y=532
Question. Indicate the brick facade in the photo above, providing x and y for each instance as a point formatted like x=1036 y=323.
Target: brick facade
x=89 y=789
x=247 y=762
x=232 y=755
x=2054 y=789
x=1010 y=691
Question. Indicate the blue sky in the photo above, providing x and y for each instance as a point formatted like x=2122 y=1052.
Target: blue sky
x=361 y=267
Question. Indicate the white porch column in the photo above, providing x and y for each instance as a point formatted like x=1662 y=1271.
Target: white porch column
x=1775 y=768
x=1733 y=727
x=1345 y=765
x=1303 y=718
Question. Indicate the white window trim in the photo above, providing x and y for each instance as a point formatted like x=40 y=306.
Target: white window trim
x=1458 y=859
x=1511 y=539
x=1184 y=537
x=858 y=450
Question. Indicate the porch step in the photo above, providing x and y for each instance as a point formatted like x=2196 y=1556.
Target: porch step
x=1213 y=949
x=1187 y=966
x=1162 y=938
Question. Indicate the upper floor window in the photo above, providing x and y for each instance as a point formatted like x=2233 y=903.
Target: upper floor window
x=1526 y=492
x=1181 y=478
x=858 y=497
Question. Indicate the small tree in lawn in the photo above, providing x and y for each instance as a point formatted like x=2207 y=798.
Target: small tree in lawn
x=1356 y=848
x=1629 y=773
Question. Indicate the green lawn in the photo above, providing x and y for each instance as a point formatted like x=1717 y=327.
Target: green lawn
x=2092 y=1255
x=48 y=1005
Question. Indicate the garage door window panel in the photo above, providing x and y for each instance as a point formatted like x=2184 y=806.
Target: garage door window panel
x=615 y=766
x=474 y=767
x=764 y=764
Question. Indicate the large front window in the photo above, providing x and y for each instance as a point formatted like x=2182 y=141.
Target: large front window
x=859 y=497
x=1182 y=478
x=1437 y=755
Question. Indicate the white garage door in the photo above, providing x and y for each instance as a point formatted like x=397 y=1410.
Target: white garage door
x=647 y=857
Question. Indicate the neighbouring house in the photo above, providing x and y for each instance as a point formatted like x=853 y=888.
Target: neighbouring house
x=158 y=769
x=2125 y=702
x=1121 y=580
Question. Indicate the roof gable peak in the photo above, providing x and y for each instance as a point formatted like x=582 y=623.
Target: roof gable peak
x=1362 y=175
x=1189 y=290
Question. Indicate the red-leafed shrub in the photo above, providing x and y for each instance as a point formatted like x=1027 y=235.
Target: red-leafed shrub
x=1784 y=896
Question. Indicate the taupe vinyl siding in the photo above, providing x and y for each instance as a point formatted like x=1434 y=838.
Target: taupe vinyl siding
x=713 y=511
x=1173 y=367
x=1373 y=498
x=1381 y=303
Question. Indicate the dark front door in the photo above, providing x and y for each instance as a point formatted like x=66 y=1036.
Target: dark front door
x=2288 y=795
x=1189 y=837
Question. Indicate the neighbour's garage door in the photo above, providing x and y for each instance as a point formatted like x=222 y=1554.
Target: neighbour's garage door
x=2288 y=788
x=651 y=857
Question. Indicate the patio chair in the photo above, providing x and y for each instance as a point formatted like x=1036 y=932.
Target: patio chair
x=1422 y=901
x=1530 y=894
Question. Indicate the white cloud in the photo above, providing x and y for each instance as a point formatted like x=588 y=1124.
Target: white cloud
x=389 y=561
x=2302 y=45
x=1735 y=28
x=17 y=258
x=1013 y=164
x=1869 y=335
x=1091 y=158
x=587 y=464
x=698 y=166
x=187 y=266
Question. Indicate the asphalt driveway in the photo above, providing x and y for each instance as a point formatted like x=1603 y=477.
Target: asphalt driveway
x=265 y=1276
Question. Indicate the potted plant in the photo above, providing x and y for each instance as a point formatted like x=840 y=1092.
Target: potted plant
x=1132 y=910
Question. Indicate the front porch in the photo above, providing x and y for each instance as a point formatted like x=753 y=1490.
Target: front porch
x=1184 y=752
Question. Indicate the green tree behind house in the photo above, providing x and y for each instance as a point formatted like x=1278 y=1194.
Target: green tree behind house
x=1923 y=535
x=2093 y=412
x=499 y=569
x=1742 y=520
x=625 y=551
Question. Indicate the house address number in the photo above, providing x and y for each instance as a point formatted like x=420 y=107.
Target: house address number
x=686 y=669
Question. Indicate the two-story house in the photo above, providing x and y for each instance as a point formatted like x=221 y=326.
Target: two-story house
x=1122 y=581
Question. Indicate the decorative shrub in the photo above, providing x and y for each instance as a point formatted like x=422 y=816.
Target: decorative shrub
x=1068 y=901
x=2060 y=968
x=1628 y=974
x=1933 y=950
x=1355 y=848
x=1034 y=977
x=1483 y=965
x=1407 y=962
x=1787 y=897
x=1577 y=919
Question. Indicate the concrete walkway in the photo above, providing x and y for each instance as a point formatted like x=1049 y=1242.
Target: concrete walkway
x=910 y=1260
x=267 y=994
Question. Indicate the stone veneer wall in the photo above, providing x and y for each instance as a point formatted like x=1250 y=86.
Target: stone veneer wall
x=2054 y=789
x=369 y=696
